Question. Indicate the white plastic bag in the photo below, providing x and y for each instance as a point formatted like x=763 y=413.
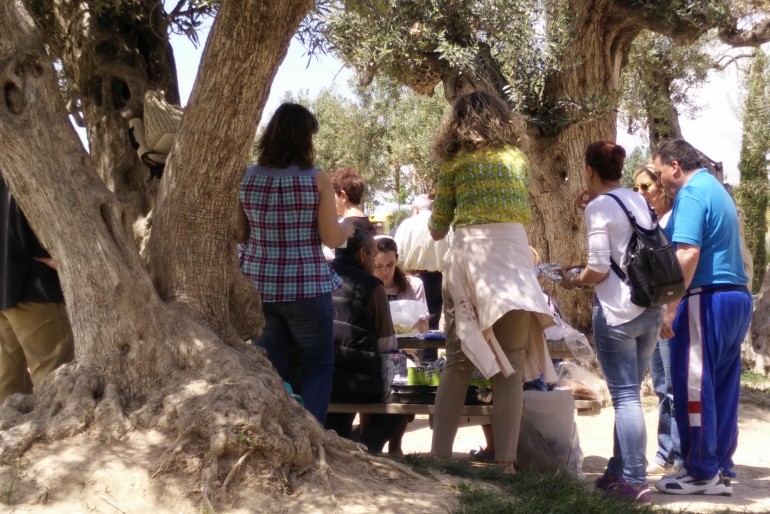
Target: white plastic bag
x=548 y=441
x=405 y=314
x=583 y=384
x=576 y=342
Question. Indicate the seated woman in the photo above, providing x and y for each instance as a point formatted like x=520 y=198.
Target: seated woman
x=398 y=285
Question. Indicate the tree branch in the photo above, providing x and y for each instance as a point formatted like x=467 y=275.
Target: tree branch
x=757 y=35
x=726 y=60
x=659 y=17
x=176 y=10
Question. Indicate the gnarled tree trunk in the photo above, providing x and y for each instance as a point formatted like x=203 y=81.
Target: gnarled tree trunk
x=110 y=57
x=168 y=361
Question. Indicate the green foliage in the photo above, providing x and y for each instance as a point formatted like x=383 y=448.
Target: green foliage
x=385 y=132
x=634 y=160
x=525 y=41
x=412 y=41
x=753 y=164
x=396 y=217
x=657 y=80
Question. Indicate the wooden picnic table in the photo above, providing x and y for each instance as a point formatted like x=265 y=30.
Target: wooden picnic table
x=472 y=414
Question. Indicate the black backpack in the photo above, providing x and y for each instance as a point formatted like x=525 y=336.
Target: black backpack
x=654 y=274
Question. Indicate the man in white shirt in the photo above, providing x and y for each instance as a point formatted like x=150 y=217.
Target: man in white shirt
x=420 y=255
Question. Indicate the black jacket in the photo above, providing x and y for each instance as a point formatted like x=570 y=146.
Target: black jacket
x=22 y=279
x=357 y=374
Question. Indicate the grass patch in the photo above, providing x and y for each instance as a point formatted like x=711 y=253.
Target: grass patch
x=755 y=381
x=755 y=390
x=487 y=490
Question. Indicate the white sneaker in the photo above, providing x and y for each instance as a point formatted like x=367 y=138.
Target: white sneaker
x=685 y=484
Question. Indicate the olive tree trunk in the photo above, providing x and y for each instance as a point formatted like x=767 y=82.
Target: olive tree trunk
x=155 y=352
x=603 y=31
x=110 y=56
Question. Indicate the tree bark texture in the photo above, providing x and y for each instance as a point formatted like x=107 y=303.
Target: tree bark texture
x=602 y=41
x=142 y=361
x=110 y=57
x=190 y=256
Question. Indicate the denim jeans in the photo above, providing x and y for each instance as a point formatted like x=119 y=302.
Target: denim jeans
x=303 y=327
x=668 y=435
x=624 y=352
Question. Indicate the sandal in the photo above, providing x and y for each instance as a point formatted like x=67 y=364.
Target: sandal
x=483 y=454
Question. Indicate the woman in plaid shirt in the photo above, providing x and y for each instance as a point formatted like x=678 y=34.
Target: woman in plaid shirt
x=287 y=211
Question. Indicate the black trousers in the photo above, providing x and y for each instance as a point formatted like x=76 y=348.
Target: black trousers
x=431 y=281
x=380 y=429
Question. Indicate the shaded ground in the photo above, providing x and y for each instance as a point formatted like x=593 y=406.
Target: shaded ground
x=75 y=476
x=78 y=475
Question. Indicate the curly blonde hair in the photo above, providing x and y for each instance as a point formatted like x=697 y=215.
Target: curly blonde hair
x=476 y=122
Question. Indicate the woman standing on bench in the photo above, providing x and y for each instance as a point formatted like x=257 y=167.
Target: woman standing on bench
x=492 y=300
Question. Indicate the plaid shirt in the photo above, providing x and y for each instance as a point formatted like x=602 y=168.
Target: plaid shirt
x=283 y=256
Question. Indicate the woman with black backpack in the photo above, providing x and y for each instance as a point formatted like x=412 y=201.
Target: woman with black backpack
x=625 y=334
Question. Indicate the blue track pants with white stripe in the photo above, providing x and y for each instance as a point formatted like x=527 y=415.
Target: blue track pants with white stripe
x=706 y=372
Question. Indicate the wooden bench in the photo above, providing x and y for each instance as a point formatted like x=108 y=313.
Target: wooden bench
x=471 y=414
x=582 y=407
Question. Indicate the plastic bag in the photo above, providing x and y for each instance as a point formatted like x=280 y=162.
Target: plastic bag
x=548 y=441
x=393 y=371
x=405 y=314
x=576 y=342
x=552 y=271
x=583 y=384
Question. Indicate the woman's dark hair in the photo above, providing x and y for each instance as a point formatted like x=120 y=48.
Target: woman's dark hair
x=384 y=245
x=288 y=138
x=348 y=180
x=606 y=158
x=360 y=239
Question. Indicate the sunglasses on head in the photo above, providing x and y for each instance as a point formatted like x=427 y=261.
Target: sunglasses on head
x=643 y=187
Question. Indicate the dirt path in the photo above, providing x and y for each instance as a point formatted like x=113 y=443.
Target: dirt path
x=77 y=475
x=751 y=490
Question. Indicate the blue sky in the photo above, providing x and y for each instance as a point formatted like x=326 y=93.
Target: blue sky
x=716 y=131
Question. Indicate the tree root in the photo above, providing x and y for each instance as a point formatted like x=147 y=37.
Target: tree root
x=64 y=407
x=385 y=462
x=243 y=420
x=235 y=468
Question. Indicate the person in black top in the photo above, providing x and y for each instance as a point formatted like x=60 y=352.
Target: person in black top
x=35 y=334
x=363 y=330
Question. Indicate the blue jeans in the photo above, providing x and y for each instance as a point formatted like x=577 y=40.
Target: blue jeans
x=668 y=435
x=303 y=327
x=624 y=352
